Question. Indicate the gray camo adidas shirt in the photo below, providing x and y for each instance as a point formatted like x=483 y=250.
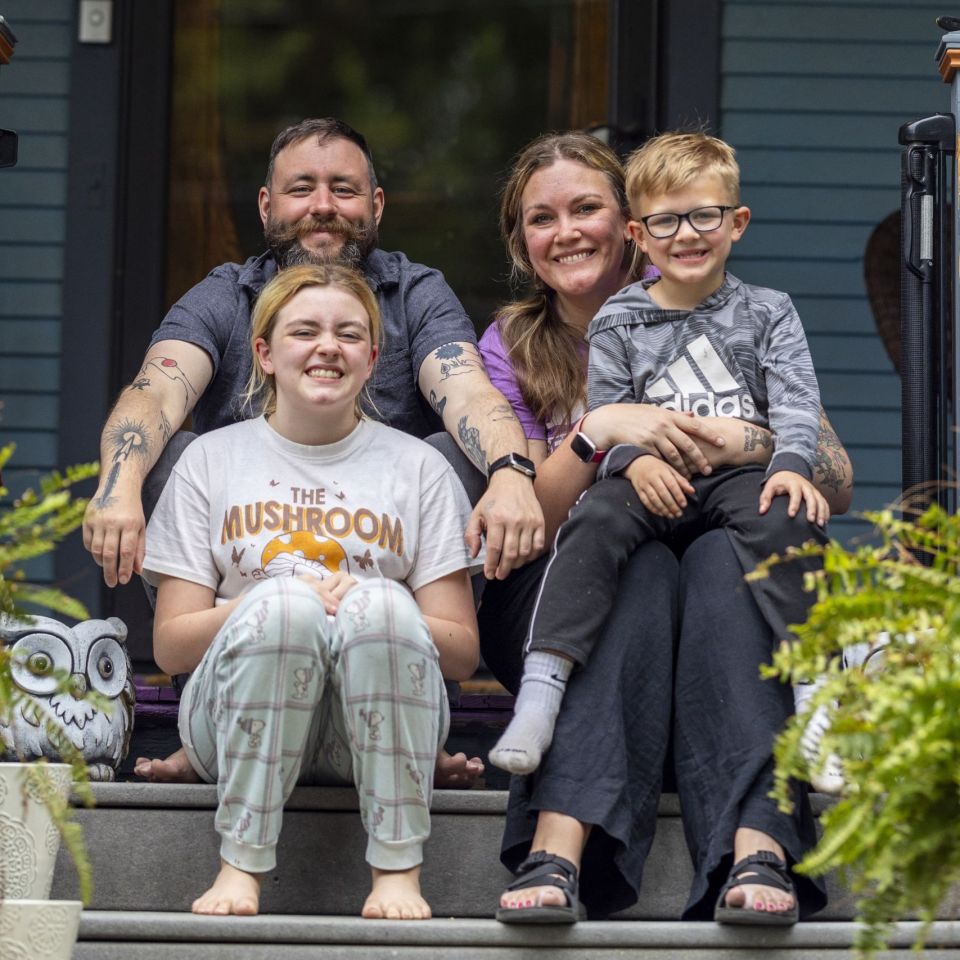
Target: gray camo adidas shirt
x=740 y=353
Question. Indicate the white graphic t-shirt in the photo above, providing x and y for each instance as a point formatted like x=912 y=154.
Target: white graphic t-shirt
x=244 y=503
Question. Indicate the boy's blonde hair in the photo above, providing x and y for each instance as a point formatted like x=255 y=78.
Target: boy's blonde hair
x=276 y=295
x=670 y=161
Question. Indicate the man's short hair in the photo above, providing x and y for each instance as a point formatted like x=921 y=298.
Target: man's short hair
x=324 y=128
x=670 y=161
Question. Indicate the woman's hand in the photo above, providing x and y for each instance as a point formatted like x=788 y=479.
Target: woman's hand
x=659 y=486
x=330 y=589
x=745 y=443
x=680 y=439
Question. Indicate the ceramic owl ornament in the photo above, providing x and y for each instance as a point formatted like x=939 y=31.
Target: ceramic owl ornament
x=94 y=654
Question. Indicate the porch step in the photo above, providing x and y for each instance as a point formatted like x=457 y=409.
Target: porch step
x=173 y=936
x=153 y=847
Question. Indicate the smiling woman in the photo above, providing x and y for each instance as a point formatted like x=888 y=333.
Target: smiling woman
x=318 y=649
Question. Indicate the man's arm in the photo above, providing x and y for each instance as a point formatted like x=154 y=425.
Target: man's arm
x=479 y=418
x=148 y=412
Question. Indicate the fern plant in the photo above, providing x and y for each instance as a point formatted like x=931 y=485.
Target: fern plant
x=894 y=834
x=31 y=526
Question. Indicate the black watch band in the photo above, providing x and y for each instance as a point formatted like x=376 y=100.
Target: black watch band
x=518 y=463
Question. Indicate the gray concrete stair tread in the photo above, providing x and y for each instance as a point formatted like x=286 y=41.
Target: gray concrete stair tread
x=186 y=796
x=203 y=796
x=626 y=934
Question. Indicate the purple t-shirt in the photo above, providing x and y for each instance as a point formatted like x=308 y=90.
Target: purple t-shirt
x=504 y=377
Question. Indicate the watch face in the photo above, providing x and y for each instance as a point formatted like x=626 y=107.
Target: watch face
x=523 y=465
x=583 y=447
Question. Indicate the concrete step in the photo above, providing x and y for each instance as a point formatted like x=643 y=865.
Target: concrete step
x=174 y=936
x=153 y=848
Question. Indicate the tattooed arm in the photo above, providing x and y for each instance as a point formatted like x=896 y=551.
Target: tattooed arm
x=479 y=418
x=174 y=374
x=748 y=443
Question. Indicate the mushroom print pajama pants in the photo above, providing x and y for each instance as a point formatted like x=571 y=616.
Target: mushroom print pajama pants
x=286 y=695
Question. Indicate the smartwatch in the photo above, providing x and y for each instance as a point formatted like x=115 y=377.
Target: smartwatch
x=514 y=460
x=584 y=449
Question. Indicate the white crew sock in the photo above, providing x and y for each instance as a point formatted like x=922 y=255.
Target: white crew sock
x=530 y=732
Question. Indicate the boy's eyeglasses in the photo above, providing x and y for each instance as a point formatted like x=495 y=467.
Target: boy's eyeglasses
x=661 y=226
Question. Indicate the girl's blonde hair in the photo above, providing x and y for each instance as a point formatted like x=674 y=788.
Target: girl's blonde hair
x=544 y=352
x=261 y=390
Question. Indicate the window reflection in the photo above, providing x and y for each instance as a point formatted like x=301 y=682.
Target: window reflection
x=446 y=92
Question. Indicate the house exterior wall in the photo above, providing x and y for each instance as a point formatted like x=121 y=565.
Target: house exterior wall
x=812 y=97
x=34 y=102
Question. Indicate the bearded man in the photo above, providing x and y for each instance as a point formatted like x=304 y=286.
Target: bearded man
x=320 y=202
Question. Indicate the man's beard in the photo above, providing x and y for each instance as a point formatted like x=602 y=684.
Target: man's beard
x=283 y=240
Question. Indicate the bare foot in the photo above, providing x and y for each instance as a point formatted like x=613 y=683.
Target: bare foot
x=234 y=891
x=456 y=772
x=396 y=896
x=175 y=769
x=752 y=896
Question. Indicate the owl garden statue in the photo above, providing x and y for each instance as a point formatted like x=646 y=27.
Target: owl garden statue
x=94 y=655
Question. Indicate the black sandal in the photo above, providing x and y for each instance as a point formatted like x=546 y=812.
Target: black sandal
x=763 y=869
x=542 y=869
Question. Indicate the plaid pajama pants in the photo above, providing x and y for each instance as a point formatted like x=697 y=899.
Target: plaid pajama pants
x=286 y=695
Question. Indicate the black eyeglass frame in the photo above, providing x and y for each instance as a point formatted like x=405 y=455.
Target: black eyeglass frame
x=685 y=216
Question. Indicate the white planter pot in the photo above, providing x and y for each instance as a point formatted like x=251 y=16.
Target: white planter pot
x=28 y=839
x=35 y=929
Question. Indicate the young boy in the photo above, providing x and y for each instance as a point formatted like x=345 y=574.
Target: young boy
x=694 y=339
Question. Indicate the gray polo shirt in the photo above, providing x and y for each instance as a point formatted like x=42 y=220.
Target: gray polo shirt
x=420 y=313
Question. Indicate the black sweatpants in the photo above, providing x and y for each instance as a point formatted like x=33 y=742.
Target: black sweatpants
x=609 y=523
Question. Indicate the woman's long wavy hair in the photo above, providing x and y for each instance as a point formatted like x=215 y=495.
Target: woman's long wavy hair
x=260 y=395
x=544 y=351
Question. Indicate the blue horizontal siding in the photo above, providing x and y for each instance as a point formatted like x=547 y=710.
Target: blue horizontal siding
x=20 y=13
x=799 y=277
x=29 y=374
x=40 y=77
x=35 y=114
x=40 y=40
x=841 y=59
x=22 y=187
x=801 y=241
x=30 y=262
x=32 y=226
x=38 y=337
x=30 y=299
x=26 y=412
x=770 y=128
x=877 y=167
x=903 y=23
x=42 y=151
x=812 y=97
x=872 y=95
x=36 y=450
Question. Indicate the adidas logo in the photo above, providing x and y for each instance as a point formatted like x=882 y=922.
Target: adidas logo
x=699 y=382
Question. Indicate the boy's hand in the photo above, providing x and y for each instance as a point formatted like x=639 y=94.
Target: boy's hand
x=797 y=488
x=659 y=486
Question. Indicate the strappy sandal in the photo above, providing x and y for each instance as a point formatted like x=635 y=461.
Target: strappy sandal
x=764 y=869
x=543 y=869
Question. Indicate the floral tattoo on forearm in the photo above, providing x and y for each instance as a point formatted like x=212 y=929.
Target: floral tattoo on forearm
x=470 y=440
x=829 y=468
